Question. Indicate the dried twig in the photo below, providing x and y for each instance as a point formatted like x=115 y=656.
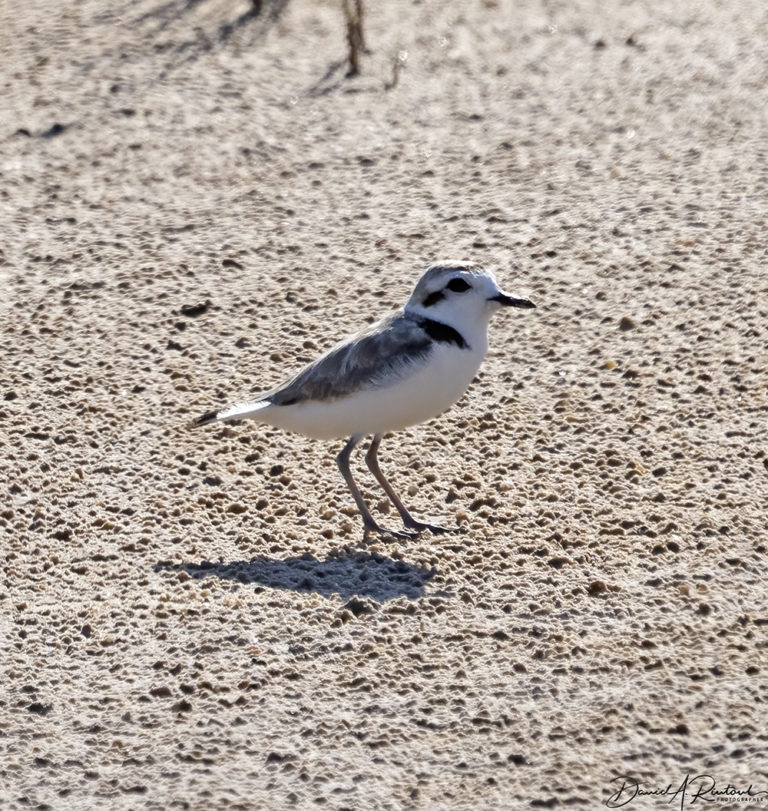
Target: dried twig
x=398 y=63
x=353 y=13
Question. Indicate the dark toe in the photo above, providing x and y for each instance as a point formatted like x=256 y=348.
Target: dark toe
x=394 y=533
x=435 y=529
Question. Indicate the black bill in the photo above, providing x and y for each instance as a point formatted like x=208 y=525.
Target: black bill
x=509 y=301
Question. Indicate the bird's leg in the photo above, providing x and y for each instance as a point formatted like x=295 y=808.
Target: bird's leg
x=369 y=524
x=372 y=460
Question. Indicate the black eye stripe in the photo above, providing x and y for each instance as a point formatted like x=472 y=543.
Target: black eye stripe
x=458 y=285
x=433 y=298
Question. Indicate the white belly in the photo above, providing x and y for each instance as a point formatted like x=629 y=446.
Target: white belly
x=431 y=389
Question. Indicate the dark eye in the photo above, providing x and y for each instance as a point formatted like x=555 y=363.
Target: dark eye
x=458 y=285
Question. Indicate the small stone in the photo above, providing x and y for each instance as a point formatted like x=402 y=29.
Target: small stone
x=182 y=706
x=194 y=310
x=280 y=757
x=626 y=323
x=358 y=606
x=54 y=130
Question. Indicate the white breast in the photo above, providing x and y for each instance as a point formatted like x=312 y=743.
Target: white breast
x=433 y=387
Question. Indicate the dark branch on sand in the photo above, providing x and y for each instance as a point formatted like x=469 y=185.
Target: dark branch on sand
x=353 y=13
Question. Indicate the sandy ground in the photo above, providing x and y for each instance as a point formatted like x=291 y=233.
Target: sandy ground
x=189 y=618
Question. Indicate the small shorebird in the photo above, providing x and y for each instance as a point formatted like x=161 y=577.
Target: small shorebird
x=407 y=368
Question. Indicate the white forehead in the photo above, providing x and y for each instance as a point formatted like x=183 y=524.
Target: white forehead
x=437 y=276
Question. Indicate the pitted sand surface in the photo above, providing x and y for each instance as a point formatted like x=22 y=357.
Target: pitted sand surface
x=191 y=208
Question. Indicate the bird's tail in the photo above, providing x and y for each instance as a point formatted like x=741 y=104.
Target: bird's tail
x=238 y=412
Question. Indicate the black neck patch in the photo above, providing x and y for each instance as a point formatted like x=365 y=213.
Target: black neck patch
x=442 y=333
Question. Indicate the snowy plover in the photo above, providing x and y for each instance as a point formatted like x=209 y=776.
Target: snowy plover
x=407 y=368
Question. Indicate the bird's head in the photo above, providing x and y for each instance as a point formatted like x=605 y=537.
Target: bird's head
x=460 y=294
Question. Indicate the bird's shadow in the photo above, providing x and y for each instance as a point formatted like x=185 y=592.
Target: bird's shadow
x=347 y=574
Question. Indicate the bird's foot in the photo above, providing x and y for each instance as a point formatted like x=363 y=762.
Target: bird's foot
x=435 y=529
x=392 y=533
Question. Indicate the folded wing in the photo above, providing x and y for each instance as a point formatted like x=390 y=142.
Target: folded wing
x=375 y=357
